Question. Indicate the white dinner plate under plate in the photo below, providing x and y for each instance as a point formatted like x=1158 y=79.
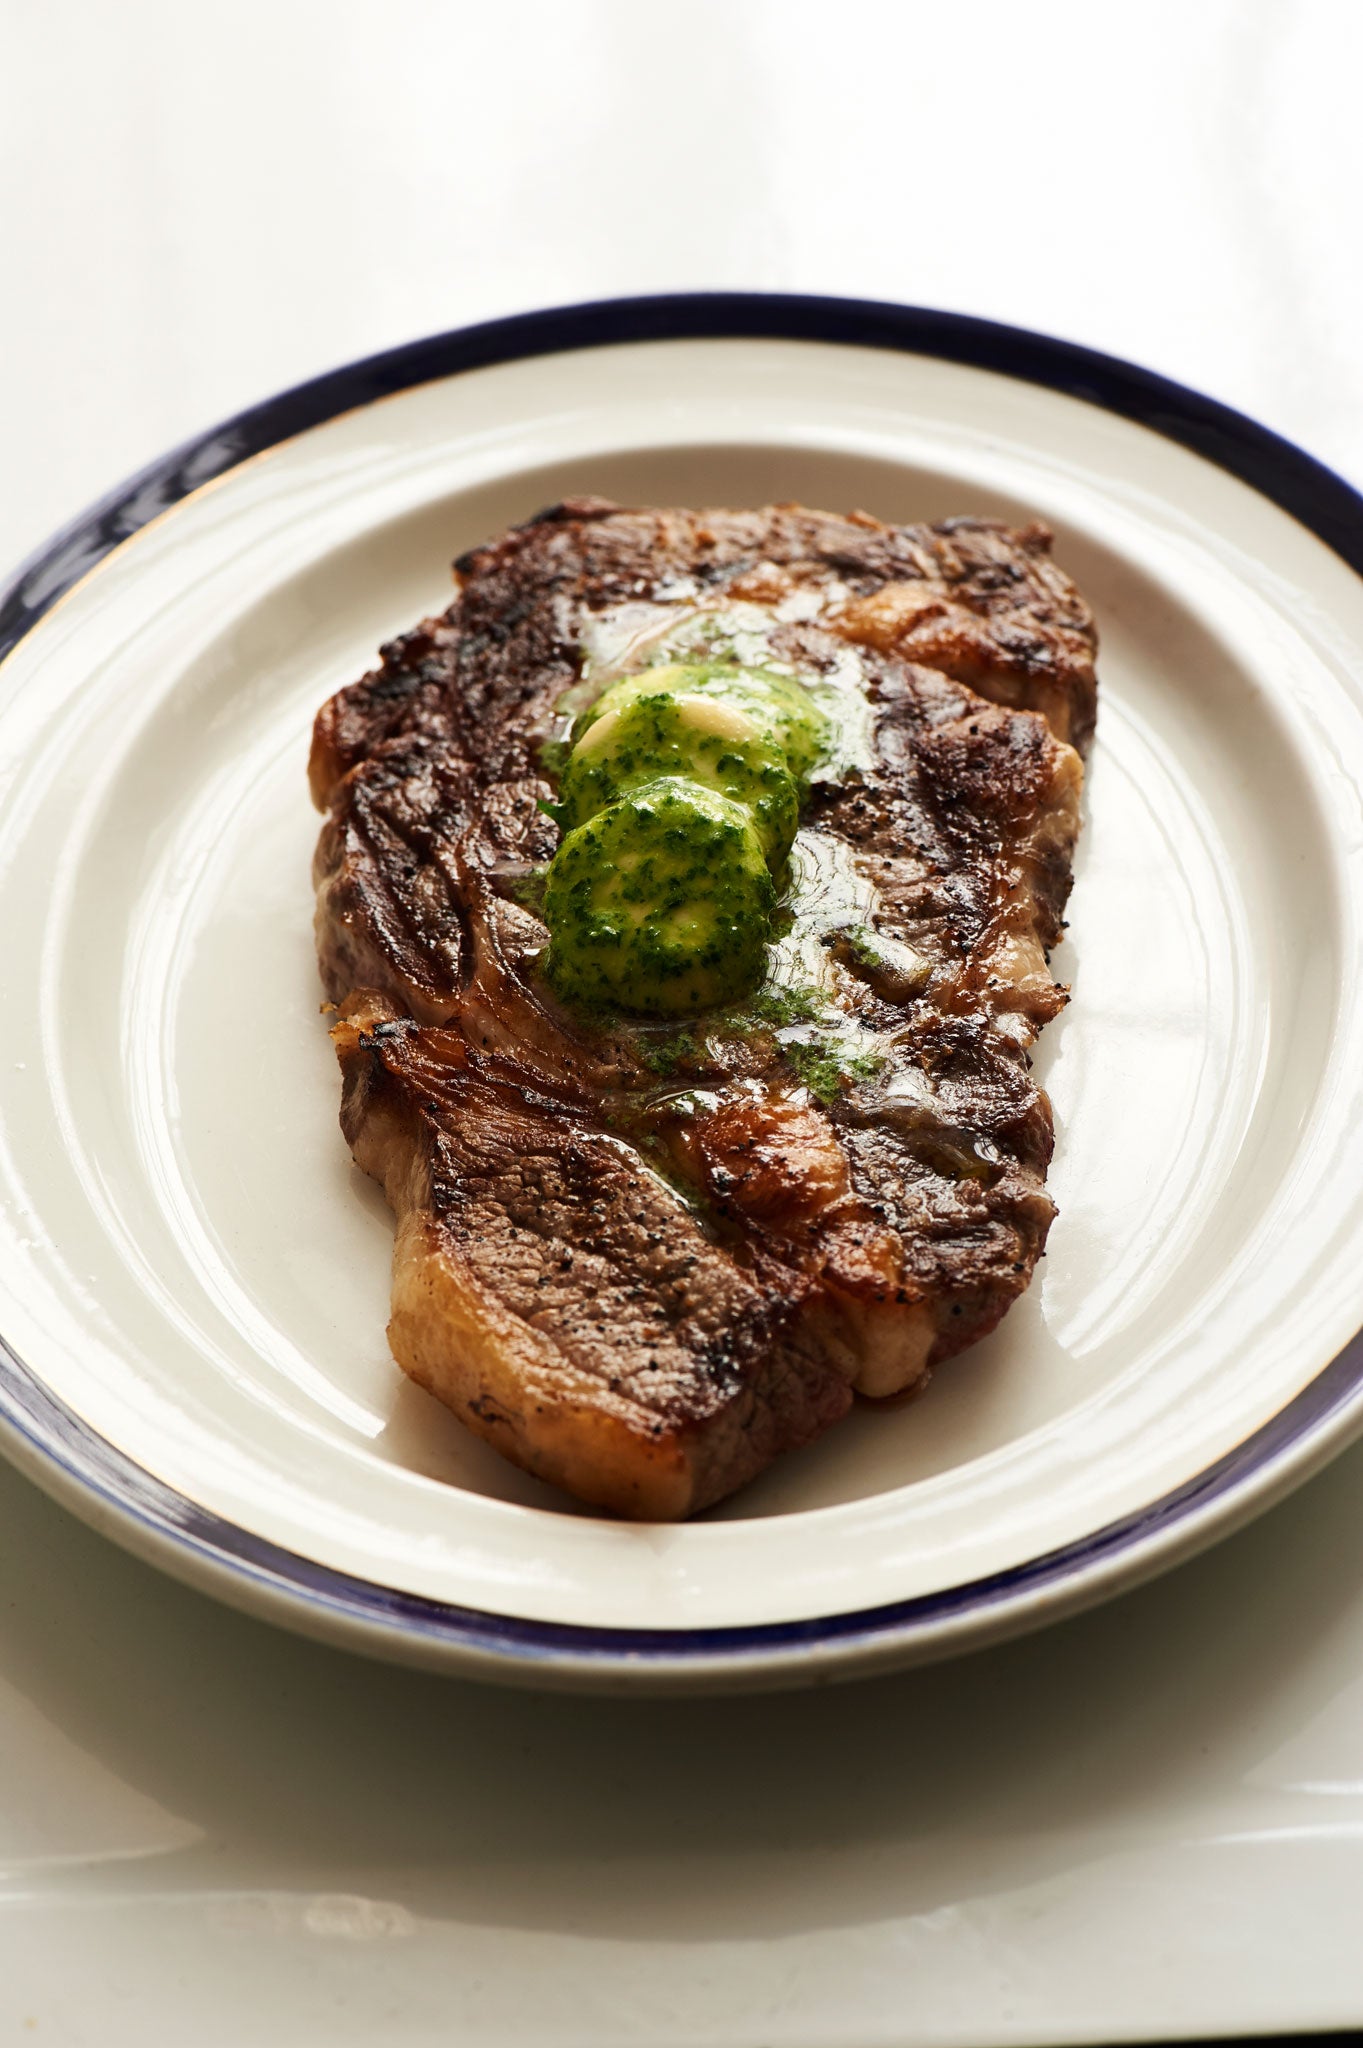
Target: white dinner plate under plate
x=193 y=1276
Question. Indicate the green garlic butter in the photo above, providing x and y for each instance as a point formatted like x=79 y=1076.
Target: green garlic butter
x=661 y=902
x=679 y=799
x=777 y=705
x=676 y=732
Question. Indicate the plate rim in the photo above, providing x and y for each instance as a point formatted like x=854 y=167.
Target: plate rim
x=90 y=1475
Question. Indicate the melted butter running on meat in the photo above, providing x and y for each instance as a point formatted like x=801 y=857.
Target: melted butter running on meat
x=831 y=985
x=822 y=721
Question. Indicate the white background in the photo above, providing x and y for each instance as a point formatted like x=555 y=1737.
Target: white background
x=203 y=203
x=1150 y=1820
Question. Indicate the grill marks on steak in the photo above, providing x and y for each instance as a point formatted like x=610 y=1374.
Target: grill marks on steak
x=650 y=1352
x=402 y=866
x=965 y=823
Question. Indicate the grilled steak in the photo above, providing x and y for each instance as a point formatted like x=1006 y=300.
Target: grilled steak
x=644 y=1258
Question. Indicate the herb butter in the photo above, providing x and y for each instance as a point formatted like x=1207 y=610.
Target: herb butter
x=679 y=800
x=661 y=902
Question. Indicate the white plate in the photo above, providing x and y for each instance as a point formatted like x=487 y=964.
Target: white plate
x=194 y=1277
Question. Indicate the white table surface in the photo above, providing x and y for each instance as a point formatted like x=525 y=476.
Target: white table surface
x=1148 y=1821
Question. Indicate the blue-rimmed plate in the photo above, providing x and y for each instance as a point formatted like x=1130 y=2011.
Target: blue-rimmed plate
x=193 y=1276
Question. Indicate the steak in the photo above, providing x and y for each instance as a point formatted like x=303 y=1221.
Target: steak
x=643 y=1258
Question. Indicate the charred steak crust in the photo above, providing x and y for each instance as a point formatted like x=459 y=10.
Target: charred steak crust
x=558 y=1295
x=644 y=1288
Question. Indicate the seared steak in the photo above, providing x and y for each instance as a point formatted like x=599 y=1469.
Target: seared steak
x=642 y=1259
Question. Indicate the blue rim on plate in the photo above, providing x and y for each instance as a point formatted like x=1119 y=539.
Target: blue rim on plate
x=53 y=1440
